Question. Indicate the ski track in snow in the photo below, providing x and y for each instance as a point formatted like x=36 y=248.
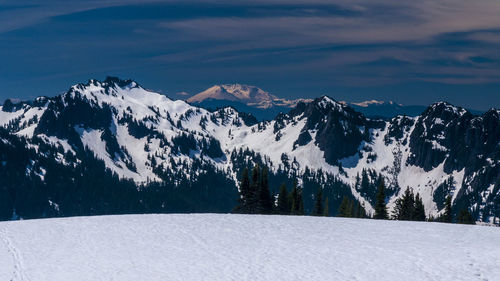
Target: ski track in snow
x=245 y=247
x=18 y=271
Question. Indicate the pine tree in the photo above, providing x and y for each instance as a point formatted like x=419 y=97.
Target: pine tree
x=465 y=217
x=293 y=200
x=447 y=216
x=359 y=211
x=264 y=203
x=244 y=193
x=351 y=212
x=253 y=195
x=296 y=201
x=419 y=214
x=344 y=208
x=300 y=200
x=380 y=206
x=357 y=185
x=283 y=207
x=273 y=202
x=318 y=206
x=397 y=212
x=362 y=211
x=365 y=182
x=326 y=211
x=408 y=205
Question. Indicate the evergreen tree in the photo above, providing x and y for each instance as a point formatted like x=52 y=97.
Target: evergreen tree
x=264 y=203
x=408 y=209
x=344 y=208
x=362 y=211
x=419 y=209
x=244 y=193
x=297 y=202
x=293 y=200
x=283 y=207
x=359 y=211
x=318 y=206
x=465 y=217
x=300 y=200
x=326 y=211
x=365 y=181
x=273 y=202
x=397 y=212
x=253 y=195
x=351 y=212
x=357 y=185
x=380 y=206
x=447 y=216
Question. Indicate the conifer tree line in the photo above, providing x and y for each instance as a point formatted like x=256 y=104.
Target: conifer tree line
x=351 y=209
x=255 y=198
x=411 y=207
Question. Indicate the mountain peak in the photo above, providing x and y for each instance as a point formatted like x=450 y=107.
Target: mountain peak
x=326 y=101
x=246 y=94
x=108 y=83
x=250 y=95
x=110 y=80
x=443 y=106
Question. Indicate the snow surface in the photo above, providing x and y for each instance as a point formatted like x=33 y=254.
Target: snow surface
x=244 y=247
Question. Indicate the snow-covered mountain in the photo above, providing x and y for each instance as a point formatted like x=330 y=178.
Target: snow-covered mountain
x=386 y=109
x=249 y=95
x=244 y=98
x=148 y=138
x=390 y=109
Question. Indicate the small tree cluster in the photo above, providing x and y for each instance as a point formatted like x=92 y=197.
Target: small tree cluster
x=351 y=209
x=447 y=216
x=409 y=207
x=320 y=208
x=465 y=217
x=255 y=197
x=295 y=202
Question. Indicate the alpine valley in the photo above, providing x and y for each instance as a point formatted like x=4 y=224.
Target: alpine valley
x=113 y=147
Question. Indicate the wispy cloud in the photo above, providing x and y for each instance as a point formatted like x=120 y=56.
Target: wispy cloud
x=345 y=43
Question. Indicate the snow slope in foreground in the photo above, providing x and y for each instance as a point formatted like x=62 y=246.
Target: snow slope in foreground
x=243 y=247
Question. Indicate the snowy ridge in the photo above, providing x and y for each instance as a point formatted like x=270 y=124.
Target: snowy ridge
x=139 y=133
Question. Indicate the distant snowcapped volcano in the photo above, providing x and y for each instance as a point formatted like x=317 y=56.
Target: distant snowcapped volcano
x=249 y=95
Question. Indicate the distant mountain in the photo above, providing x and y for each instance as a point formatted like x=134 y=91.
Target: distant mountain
x=265 y=106
x=113 y=147
x=386 y=109
x=390 y=109
x=244 y=98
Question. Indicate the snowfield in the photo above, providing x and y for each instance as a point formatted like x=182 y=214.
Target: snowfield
x=245 y=247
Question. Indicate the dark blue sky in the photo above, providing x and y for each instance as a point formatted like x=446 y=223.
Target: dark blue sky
x=353 y=50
